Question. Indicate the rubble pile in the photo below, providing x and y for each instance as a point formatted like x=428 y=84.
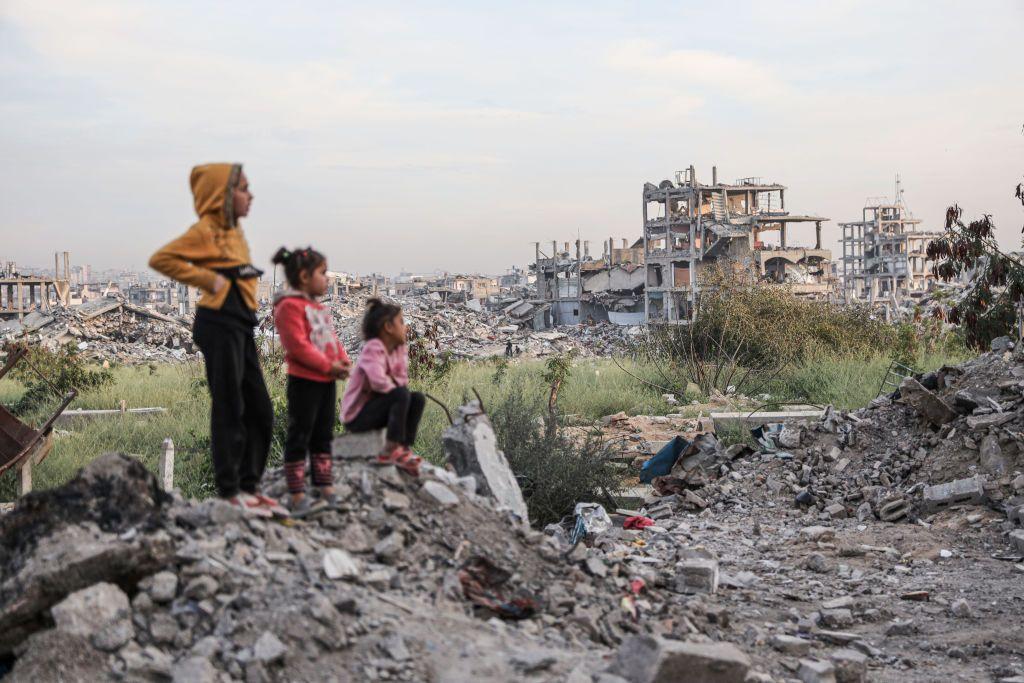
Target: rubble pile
x=465 y=332
x=873 y=544
x=108 y=329
x=870 y=545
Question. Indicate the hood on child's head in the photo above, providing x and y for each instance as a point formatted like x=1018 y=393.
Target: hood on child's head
x=213 y=187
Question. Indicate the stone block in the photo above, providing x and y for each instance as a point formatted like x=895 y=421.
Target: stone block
x=647 y=659
x=471 y=447
x=790 y=645
x=814 y=671
x=697 y=575
x=927 y=404
x=1017 y=540
x=850 y=666
x=90 y=609
x=352 y=445
x=970 y=491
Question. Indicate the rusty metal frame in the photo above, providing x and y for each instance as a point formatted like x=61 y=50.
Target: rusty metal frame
x=26 y=439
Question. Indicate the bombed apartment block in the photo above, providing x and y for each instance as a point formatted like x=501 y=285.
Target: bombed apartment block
x=574 y=287
x=23 y=294
x=884 y=254
x=689 y=225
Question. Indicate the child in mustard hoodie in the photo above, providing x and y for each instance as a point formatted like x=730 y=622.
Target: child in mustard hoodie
x=213 y=255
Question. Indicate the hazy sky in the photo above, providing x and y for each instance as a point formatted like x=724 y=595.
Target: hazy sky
x=398 y=137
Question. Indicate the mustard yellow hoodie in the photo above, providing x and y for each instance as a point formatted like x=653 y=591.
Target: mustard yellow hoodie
x=215 y=242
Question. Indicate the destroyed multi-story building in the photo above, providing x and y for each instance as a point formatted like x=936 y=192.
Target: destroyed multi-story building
x=689 y=225
x=574 y=289
x=22 y=294
x=885 y=253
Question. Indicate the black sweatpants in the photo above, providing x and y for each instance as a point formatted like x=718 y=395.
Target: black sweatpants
x=312 y=411
x=399 y=410
x=241 y=415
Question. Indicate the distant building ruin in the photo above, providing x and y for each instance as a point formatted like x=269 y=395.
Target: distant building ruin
x=574 y=288
x=689 y=225
x=885 y=254
x=23 y=294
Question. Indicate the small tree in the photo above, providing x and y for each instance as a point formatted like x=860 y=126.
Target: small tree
x=988 y=307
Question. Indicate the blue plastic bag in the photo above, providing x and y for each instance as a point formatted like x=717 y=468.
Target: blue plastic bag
x=661 y=464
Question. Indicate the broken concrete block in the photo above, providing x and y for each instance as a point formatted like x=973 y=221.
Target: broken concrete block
x=894 y=510
x=969 y=491
x=1017 y=540
x=790 y=645
x=979 y=422
x=697 y=575
x=926 y=403
x=836 y=618
x=358 y=445
x=850 y=666
x=991 y=454
x=338 y=564
x=814 y=671
x=90 y=609
x=472 y=449
x=647 y=659
x=269 y=648
x=440 y=494
x=818 y=533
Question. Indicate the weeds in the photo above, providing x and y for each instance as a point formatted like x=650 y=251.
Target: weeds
x=49 y=375
x=555 y=469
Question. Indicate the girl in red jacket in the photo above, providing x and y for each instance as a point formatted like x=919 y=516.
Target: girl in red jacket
x=316 y=359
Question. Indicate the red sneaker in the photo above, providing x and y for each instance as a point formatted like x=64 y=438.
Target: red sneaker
x=402 y=458
x=268 y=503
x=250 y=505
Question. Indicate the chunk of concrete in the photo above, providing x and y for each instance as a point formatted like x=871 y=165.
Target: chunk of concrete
x=790 y=645
x=814 y=671
x=1017 y=540
x=970 y=491
x=86 y=611
x=647 y=659
x=697 y=575
x=355 y=445
x=850 y=666
x=926 y=403
x=991 y=455
x=472 y=449
x=440 y=494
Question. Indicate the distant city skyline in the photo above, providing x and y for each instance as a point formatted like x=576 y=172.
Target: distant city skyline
x=403 y=138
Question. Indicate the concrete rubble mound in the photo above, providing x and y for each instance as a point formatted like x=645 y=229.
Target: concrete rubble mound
x=108 y=329
x=871 y=545
x=880 y=543
x=411 y=579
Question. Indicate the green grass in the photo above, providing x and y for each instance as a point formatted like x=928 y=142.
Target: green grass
x=845 y=383
x=595 y=387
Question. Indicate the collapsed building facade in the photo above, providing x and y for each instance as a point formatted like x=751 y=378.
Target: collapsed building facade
x=689 y=225
x=20 y=294
x=575 y=289
x=885 y=253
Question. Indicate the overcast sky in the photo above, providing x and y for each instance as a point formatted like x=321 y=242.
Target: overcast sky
x=452 y=137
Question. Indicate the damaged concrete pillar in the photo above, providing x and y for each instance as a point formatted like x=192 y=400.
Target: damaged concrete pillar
x=472 y=449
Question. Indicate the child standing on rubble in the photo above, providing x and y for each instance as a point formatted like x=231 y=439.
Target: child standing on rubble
x=316 y=360
x=377 y=394
x=213 y=255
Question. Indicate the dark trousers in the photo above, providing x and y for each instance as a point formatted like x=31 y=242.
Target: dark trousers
x=399 y=410
x=241 y=415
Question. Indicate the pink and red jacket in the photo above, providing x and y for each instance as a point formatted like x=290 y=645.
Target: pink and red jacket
x=377 y=371
x=307 y=335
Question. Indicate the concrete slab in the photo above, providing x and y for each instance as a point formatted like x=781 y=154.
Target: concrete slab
x=969 y=491
x=746 y=419
x=361 y=445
